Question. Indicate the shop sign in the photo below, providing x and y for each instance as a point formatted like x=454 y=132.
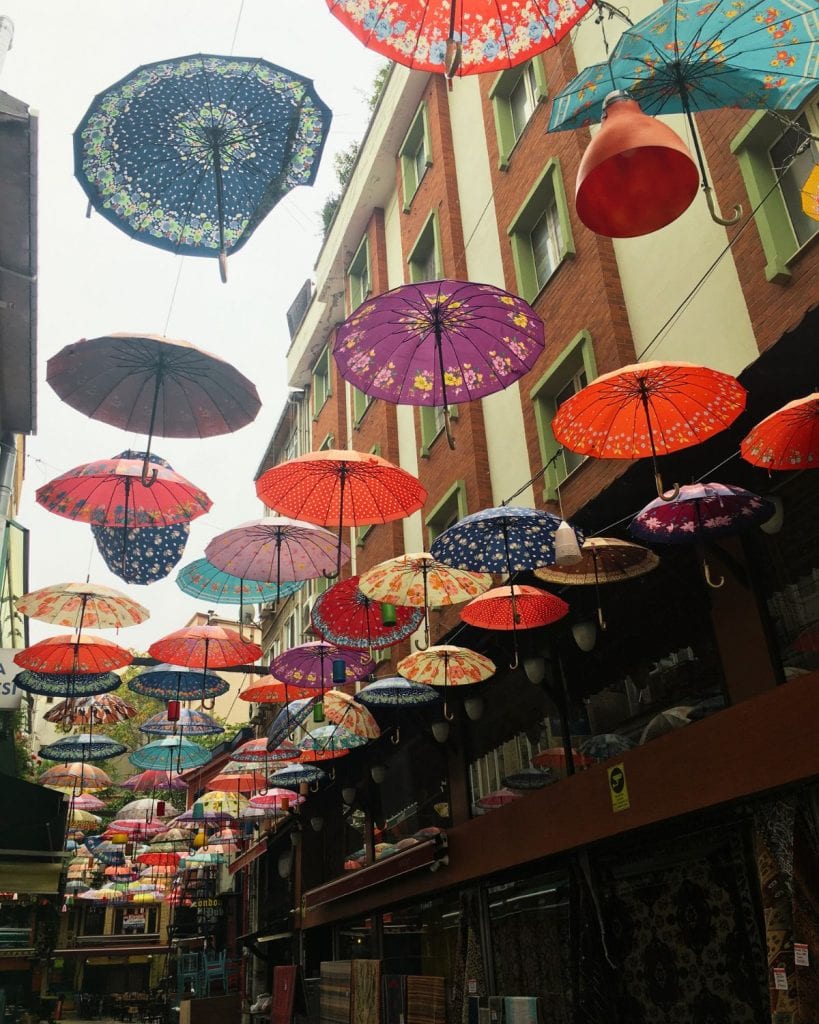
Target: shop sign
x=10 y=696
x=618 y=788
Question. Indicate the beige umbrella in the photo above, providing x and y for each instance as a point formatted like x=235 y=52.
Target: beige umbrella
x=80 y=605
x=446 y=666
x=342 y=709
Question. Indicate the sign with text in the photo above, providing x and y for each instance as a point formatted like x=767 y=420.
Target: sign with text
x=618 y=788
x=10 y=696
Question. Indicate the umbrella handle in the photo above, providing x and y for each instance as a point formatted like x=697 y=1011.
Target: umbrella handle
x=223 y=266
x=149 y=474
x=709 y=579
x=513 y=664
x=661 y=493
x=448 y=715
x=396 y=736
x=601 y=618
x=447 y=427
x=209 y=705
x=422 y=646
x=726 y=222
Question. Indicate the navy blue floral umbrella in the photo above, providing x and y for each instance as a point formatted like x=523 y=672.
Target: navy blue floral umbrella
x=58 y=684
x=82 y=747
x=294 y=775
x=190 y=154
x=288 y=720
x=173 y=682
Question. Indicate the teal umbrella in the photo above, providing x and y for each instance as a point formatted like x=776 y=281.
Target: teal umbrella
x=169 y=753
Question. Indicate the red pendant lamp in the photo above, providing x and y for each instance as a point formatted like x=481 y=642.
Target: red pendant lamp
x=636 y=176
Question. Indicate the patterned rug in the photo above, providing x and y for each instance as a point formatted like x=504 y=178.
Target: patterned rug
x=334 y=992
x=426 y=1000
x=366 y=992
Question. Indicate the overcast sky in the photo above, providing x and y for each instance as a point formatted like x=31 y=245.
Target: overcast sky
x=94 y=280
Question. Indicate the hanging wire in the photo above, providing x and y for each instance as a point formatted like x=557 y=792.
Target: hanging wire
x=236 y=27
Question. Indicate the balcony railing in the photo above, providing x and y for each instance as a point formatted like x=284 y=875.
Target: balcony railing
x=16 y=938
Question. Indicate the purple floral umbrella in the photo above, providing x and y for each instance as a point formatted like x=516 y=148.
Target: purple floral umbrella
x=438 y=343
x=317 y=666
x=700 y=512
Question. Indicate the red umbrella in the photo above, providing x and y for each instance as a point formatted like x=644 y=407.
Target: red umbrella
x=111 y=492
x=341 y=488
x=135 y=828
x=526 y=608
x=237 y=781
x=788 y=438
x=345 y=616
x=555 y=757
x=256 y=752
x=499 y=798
x=159 y=859
x=152 y=779
x=276 y=799
x=77 y=655
x=205 y=647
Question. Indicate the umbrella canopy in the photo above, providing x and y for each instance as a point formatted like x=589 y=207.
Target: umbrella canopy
x=61 y=684
x=555 y=757
x=77 y=655
x=82 y=747
x=688 y=56
x=106 y=709
x=256 y=752
x=152 y=779
x=499 y=798
x=341 y=488
x=459 y=37
x=274 y=692
x=418 y=580
x=329 y=741
x=204 y=647
x=246 y=780
x=787 y=439
x=288 y=720
x=175 y=682
x=666 y=721
x=648 y=409
x=350 y=714
x=81 y=777
x=79 y=818
x=149 y=807
x=514 y=607
x=111 y=492
x=437 y=343
x=209 y=817
x=172 y=752
x=529 y=778
x=81 y=605
x=75 y=887
x=311 y=665
x=505 y=540
x=606 y=745
x=190 y=154
x=202 y=580
x=223 y=801
x=810 y=194
x=446 y=665
x=190 y=722
x=135 y=828
x=87 y=802
x=172 y=835
x=396 y=692
x=345 y=616
x=294 y=775
x=141 y=556
x=277 y=550
x=276 y=800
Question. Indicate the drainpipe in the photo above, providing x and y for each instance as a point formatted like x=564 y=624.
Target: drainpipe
x=6 y=38
x=8 y=443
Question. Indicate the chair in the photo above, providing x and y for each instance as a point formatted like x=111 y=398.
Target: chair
x=190 y=975
x=216 y=970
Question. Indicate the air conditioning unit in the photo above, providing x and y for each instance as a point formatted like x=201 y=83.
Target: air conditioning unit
x=248 y=617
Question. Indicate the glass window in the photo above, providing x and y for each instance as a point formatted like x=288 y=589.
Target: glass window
x=522 y=100
x=421 y=939
x=792 y=169
x=414 y=155
x=356 y=940
x=359 y=275
x=570 y=460
x=515 y=95
x=540 y=234
x=424 y=261
x=321 y=381
x=449 y=510
x=546 y=243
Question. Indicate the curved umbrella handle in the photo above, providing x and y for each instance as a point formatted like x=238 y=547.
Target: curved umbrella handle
x=447 y=427
x=601 y=620
x=396 y=736
x=709 y=579
x=223 y=266
x=726 y=222
x=208 y=705
x=149 y=473
x=448 y=715
x=661 y=493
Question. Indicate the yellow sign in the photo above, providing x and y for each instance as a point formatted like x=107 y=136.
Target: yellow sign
x=618 y=788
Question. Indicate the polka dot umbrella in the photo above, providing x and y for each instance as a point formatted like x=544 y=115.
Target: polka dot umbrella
x=514 y=607
x=345 y=616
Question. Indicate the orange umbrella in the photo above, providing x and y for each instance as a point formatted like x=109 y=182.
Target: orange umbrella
x=245 y=781
x=788 y=438
x=86 y=778
x=513 y=608
x=82 y=604
x=341 y=488
x=205 y=647
x=648 y=409
x=71 y=654
x=275 y=692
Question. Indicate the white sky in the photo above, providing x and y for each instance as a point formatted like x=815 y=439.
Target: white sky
x=94 y=280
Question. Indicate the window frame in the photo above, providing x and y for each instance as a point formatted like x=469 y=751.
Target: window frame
x=500 y=94
x=322 y=374
x=430 y=428
x=576 y=356
x=548 y=185
x=458 y=491
x=751 y=146
x=359 y=273
x=417 y=135
x=430 y=227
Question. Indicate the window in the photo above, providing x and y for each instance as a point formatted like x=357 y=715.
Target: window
x=359 y=275
x=321 y=381
x=361 y=403
x=449 y=510
x=424 y=260
x=571 y=371
x=515 y=95
x=432 y=424
x=540 y=234
x=768 y=155
x=415 y=155
x=327 y=443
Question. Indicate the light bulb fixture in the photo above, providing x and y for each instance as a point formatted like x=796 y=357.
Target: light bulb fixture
x=440 y=730
x=378 y=772
x=348 y=795
x=317 y=823
x=339 y=671
x=285 y=862
x=585 y=634
x=474 y=708
x=535 y=668
x=567 y=549
x=776 y=520
x=388 y=614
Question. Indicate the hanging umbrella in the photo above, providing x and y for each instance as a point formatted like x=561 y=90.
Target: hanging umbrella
x=603 y=560
x=149 y=808
x=87 y=802
x=606 y=745
x=61 y=684
x=110 y=492
x=82 y=747
x=172 y=835
x=555 y=757
x=315 y=665
x=223 y=801
x=700 y=512
x=288 y=720
x=152 y=779
x=666 y=721
x=141 y=556
x=243 y=780
x=277 y=550
x=345 y=711
x=75 y=887
x=172 y=752
x=787 y=439
x=81 y=777
x=205 y=647
x=106 y=709
x=422 y=582
x=276 y=800
x=529 y=778
x=202 y=580
x=395 y=692
x=438 y=343
x=274 y=692
x=190 y=722
x=191 y=154
x=151 y=385
x=175 y=682
x=446 y=666
x=459 y=37
x=512 y=608
x=498 y=798
x=203 y=817
x=81 y=605
x=296 y=775
x=341 y=488
x=135 y=828
x=648 y=409
x=256 y=752
x=78 y=818
x=345 y=616
x=74 y=655
x=329 y=741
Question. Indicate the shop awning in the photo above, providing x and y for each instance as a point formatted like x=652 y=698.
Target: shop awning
x=30 y=876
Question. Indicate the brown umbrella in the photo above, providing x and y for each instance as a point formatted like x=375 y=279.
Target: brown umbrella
x=104 y=709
